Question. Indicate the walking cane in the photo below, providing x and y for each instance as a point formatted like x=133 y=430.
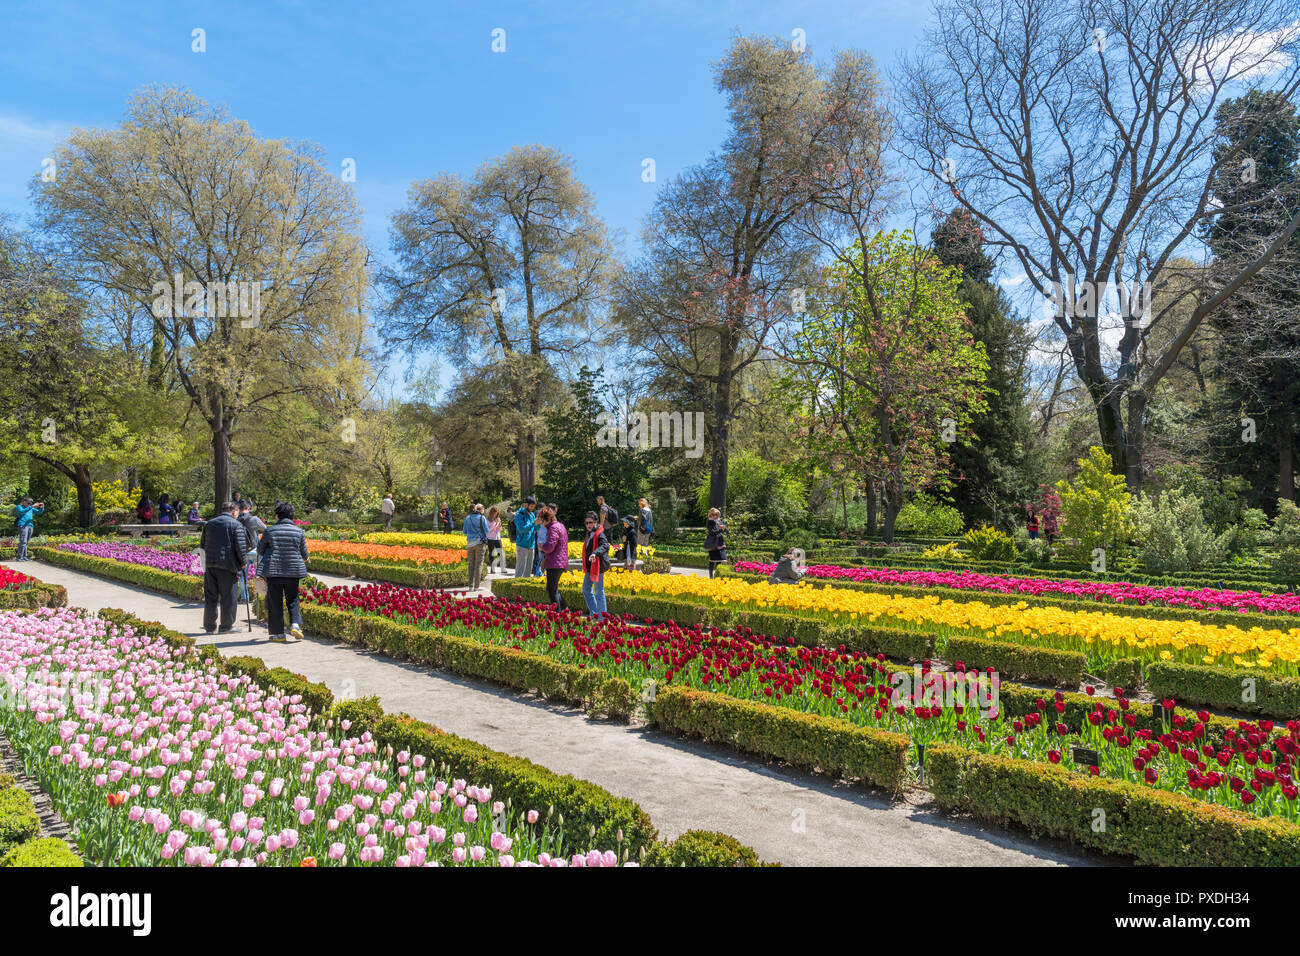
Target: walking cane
x=248 y=597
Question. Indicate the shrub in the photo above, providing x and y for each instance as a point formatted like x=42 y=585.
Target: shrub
x=1172 y=534
x=1287 y=567
x=656 y=566
x=45 y=852
x=989 y=544
x=800 y=538
x=18 y=819
x=947 y=552
x=702 y=848
x=928 y=518
x=1095 y=509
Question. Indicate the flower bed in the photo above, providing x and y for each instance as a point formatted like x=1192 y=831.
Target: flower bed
x=216 y=771
x=1101 y=636
x=19 y=590
x=384 y=553
x=1116 y=591
x=1253 y=763
x=12 y=580
x=172 y=562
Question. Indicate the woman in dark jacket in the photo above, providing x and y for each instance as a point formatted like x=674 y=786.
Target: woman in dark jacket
x=282 y=563
x=714 y=541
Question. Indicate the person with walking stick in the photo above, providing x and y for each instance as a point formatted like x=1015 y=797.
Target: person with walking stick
x=224 y=543
x=282 y=563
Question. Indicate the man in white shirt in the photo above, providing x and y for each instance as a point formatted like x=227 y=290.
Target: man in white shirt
x=387 y=507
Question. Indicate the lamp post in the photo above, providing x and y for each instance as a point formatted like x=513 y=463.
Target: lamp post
x=437 y=470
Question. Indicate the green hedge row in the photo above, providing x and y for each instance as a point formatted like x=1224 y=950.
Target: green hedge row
x=182 y=585
x=1018 y=661
x=834 y=747
x=1113 y=816
x=43 y=852
x=409 y=575
x=33 y=595
x=584 y=805
x=1227 y=688
x=19 y=821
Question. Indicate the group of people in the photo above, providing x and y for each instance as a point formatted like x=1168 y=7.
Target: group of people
x=165 y=511
x=542 y=545
x=235 y=539
x=1048 y=526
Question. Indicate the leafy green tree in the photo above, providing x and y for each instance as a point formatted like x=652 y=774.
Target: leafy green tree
x=886 y=355
x=1096 y=510
x=1172 y=534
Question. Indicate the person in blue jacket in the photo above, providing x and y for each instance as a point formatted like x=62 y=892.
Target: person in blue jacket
x=25 y=515
x=525 y=522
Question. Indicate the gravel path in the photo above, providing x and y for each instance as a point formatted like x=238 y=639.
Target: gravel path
x=787 y=816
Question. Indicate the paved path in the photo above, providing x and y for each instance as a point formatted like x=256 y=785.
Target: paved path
x=785 y=815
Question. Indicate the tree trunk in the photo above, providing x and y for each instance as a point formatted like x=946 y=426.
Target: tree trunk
x=871 y=507
x=1285 y=453
x=132 y=478
x=721 y=431
x=85 y=496
x=891 y=515
x=1136 y=434
x=526 y=455
x=1110 y=425
x=221 y=463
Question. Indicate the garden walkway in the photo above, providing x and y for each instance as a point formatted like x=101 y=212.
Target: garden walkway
x=787 y=816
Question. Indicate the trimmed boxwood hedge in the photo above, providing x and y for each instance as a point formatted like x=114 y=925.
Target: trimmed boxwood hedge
x=835 y=747
x=182 y=585
x=702 y=848
x=410 y=575
x=1113 y=816
x=33 y=595
x=1225 y=688
x=1018 y=661
x=43 y=852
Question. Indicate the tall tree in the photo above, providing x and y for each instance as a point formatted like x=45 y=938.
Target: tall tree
x=1079 y=133
x=731 y=244
x=991 y=472
x=896 y=376
x=503 y=273
x=1259 y=343
x=269 y=239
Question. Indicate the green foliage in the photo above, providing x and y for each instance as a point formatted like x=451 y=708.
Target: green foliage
x=1095 y=509
x=760 y=495
x=925 y=517
x=799 y=538
x=581 y=463
x=989 y=544
x=1172 y=534
x=44 y=852
x=18 y=819
x=702 y=848
x=1016 y=661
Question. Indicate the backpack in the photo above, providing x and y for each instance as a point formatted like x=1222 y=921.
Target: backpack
x=642 y=524
x=511 y=529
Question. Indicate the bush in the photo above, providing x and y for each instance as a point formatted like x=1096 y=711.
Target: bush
x=18 y=819
x=1172 y=534
x=45 y=852
x=702 y=848
x=1017 y=661
x=1287 y=567
x=800 y=538
x=928 y=518
x=1095 y=510
x=656 y=566
x=989 y=544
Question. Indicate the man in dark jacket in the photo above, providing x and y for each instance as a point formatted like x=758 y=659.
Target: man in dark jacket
x=224 y=543
x=282 y=563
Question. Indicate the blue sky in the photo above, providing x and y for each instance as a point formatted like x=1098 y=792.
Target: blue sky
x=408 y=90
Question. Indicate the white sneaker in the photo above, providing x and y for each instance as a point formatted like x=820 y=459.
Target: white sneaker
x=296 y=631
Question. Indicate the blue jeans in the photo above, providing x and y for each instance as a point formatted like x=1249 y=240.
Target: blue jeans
x=24 y=535
x=593 y=592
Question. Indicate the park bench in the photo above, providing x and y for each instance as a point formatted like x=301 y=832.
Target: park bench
x=138 y=530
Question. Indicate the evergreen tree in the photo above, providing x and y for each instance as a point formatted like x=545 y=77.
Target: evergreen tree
x=991 y=474
x=575 y=468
